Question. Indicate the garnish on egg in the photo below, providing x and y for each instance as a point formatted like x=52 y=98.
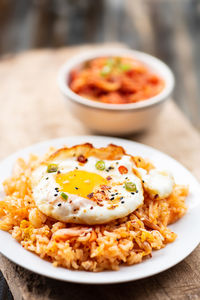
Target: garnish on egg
x=90 y=195
x=51 y=168
x=100 y=165
x=130 y=186
x=64 y=196
x=123 y=170
x=82 y=159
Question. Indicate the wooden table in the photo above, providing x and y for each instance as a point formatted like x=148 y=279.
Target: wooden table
x=32 y=110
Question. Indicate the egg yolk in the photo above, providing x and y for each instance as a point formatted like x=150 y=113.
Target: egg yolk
x=79 y=182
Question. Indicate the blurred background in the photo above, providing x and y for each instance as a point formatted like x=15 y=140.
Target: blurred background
x=168 y=29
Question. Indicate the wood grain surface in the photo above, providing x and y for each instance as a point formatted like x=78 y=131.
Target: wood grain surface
x=33 y=110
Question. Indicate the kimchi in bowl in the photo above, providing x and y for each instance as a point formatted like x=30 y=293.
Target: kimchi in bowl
x=89 y=104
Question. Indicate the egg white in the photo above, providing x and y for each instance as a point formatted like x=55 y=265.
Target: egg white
x=77 y=209
x=158 y=183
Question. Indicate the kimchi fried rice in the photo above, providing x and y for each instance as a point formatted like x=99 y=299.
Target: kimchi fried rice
x=127 y=240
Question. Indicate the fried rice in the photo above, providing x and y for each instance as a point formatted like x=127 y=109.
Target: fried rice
x=127 y=241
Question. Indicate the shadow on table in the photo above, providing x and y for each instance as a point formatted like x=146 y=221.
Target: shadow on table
x=5 y=293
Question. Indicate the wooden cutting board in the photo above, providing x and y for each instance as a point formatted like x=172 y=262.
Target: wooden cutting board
x=32 y=110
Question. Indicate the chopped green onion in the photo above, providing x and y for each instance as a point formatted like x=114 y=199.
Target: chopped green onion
x=125 y=67
x=64 y=196
x=52 y=168
x=110 y=62
x=130 y=186
x=100 y=165
x=105 y=70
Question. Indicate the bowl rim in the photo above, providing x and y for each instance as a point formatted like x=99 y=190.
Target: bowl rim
x=151 y=61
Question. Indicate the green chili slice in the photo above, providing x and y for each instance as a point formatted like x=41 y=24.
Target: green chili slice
x=52 y=168
x=100 y=165
x=130 y=186
x=64 y=196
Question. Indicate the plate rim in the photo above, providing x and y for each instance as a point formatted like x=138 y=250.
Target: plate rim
x=106 y=139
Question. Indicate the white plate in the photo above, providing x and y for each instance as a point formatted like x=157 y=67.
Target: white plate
x=187 y=228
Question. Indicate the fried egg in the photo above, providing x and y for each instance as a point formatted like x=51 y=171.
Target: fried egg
x=157 y=183
x=85 y=185
x=94 y=192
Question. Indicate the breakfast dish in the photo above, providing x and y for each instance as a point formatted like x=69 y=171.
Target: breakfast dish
x=100 y=209
x=115 y=80
x=91 y=208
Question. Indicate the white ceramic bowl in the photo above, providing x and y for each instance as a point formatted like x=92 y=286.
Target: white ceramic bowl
x=116 y=119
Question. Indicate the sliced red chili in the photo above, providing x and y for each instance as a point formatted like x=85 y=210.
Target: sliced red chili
x=123 y=170
x=82 y=159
